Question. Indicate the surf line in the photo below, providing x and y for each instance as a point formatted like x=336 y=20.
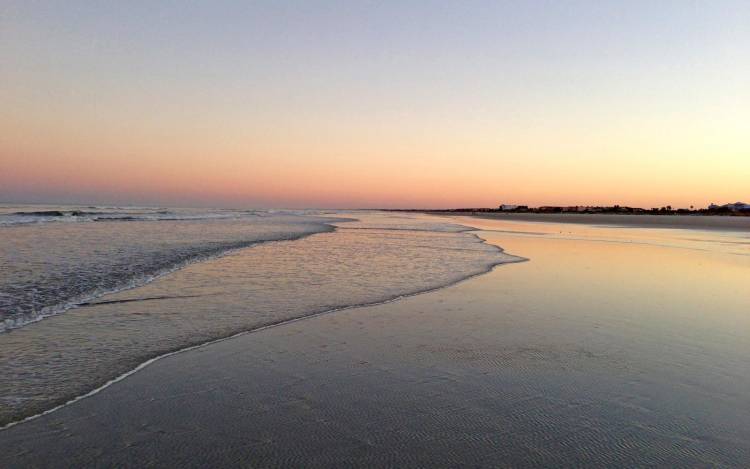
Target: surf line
x=490 y=268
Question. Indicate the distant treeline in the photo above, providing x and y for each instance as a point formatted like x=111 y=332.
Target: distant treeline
x=614 y=209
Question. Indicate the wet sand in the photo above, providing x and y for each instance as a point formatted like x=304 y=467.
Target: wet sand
x=593 y=353
x=642 y=221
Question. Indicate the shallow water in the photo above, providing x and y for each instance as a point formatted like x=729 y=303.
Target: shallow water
x=48 y=362
x=49 y=263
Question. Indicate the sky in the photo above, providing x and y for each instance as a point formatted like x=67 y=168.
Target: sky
x=375 y=104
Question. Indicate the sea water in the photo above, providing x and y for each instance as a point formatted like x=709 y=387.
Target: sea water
x=89 y=293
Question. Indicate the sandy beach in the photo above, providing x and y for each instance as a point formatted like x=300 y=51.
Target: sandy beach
x=595 y=352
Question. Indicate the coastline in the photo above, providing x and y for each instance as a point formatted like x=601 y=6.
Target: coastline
x=125 y=309
x=721 y=223
x=312 y=315
x=485 y=372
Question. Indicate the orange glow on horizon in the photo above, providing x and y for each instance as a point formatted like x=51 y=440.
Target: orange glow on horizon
x=371 y=116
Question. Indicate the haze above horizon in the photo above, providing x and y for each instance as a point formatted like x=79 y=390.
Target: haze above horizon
x=365 y=104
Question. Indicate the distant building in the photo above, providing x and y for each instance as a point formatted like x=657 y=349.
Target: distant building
x=735 y=207
x=508 y=207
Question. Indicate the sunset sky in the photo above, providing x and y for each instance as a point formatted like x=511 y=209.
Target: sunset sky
x=375 y=104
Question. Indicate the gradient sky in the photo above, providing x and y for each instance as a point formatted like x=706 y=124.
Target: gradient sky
x=375 y=104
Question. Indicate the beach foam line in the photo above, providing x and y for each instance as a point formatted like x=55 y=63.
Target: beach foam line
x=512 y=260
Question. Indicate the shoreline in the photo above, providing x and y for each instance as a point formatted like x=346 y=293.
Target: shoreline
x=313 y=314
x=714 y=223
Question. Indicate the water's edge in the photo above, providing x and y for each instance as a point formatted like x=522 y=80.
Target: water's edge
x=490 y=267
